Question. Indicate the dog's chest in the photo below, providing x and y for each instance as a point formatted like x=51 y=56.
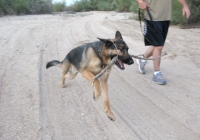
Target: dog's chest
x=95 y=65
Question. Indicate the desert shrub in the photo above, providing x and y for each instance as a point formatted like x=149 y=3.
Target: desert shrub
x=25 y=6
x=195 y=11
x=123 y=5
x=105 y=6
x=133 y=7
x=59 y=6
x=177 y=17
x=92 y=5
x=80 y=6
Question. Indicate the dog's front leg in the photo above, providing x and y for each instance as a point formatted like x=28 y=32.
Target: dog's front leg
x=90 y=76
x=104 y=88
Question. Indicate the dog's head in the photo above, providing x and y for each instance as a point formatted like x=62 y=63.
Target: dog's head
x=115 y=47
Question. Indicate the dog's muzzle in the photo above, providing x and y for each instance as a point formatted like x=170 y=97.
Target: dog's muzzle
x=130 y=61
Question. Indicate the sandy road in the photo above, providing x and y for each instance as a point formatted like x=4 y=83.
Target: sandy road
x=34 y=107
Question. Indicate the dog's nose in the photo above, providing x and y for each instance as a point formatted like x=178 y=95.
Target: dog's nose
x=130 y=61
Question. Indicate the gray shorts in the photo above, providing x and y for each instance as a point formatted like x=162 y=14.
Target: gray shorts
x=155 y=32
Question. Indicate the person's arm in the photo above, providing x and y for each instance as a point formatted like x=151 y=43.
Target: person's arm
x=186 y=10
x=142 y=4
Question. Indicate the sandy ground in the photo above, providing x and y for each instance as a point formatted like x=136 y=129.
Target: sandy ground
x=34 y=107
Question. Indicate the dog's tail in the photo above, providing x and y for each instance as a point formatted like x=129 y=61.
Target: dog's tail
x=53 y=63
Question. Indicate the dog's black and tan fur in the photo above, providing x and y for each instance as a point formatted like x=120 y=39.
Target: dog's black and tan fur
x=90 y=59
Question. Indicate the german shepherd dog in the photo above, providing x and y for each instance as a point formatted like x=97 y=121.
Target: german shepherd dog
x=90 y=59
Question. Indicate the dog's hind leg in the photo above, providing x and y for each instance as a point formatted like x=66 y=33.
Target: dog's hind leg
x=97 y=89
x=104 y=87
x=71 y=74
x=65 y=68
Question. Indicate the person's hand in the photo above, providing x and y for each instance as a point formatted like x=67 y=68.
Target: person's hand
x=186 y=11
x=143 y=5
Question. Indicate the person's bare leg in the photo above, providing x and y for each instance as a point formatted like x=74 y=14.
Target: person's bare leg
x=157 y=77
x=156 y=53
x=149 y=52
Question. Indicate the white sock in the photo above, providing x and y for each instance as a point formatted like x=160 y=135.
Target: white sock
x=144 y=60
x=156 y=72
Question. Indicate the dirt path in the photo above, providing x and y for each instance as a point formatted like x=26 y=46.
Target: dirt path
x=34 y=107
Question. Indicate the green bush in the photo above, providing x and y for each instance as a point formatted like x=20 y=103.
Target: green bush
x=123 y=5
x=92 y=5
x=20 y=6
x=59 y=6
x=25 y=6
x=80 y=6
x=105 y=6
x=195 y=11
x=133 y=7
x=177 y=17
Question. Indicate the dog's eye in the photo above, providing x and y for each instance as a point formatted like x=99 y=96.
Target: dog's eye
x=123 y=50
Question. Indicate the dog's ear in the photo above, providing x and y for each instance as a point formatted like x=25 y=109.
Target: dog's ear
x=106 y=41
x=118 y=35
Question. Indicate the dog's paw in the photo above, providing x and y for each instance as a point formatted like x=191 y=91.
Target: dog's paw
x=63 y=86
x=91 y=83
x=110 y=116
x=95 y=96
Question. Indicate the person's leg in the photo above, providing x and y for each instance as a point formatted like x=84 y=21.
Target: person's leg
x=157 y=76
x=156 y=40
x=141 y=63
x=149 y=52
x=156 y=53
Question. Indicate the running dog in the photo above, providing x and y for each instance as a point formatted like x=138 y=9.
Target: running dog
x=90 y=59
